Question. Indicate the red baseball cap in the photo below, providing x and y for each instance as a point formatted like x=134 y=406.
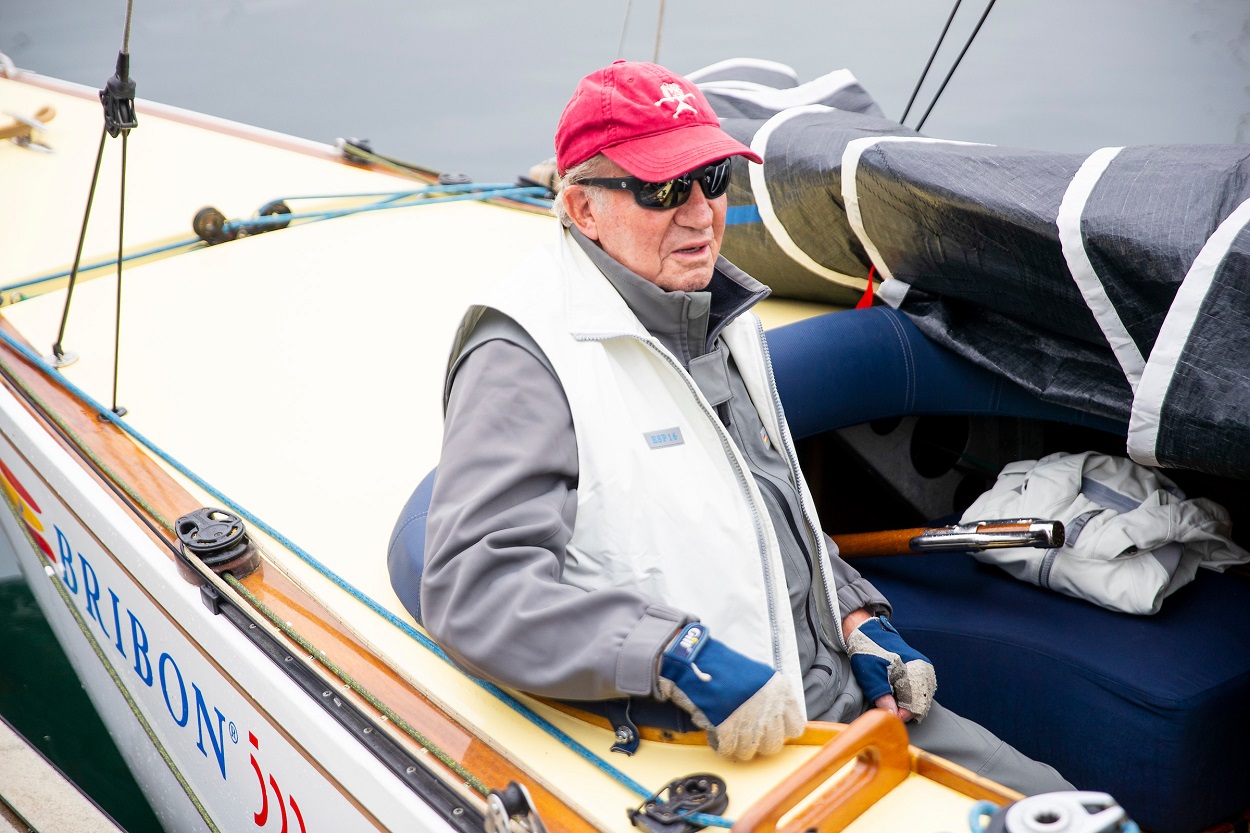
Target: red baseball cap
x=650 y=121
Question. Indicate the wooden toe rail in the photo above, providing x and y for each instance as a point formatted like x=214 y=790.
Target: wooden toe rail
x=877 y=742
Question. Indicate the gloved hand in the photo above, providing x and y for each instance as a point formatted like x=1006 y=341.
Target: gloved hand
x=884 y=664
x=746 y=707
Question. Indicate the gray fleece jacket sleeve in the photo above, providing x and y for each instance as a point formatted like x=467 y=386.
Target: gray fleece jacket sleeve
x=855 y=591
x=502 y=511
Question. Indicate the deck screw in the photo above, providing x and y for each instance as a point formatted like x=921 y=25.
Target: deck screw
x=411 y=770
x=459 y=811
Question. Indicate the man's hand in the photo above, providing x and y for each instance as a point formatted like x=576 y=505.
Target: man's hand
x=886 y=701
x=893 y=675
x=746 y=707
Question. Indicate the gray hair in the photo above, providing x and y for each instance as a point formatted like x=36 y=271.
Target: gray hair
x=596 y=166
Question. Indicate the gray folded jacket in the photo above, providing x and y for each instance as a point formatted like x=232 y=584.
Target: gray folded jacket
x=1132 y=536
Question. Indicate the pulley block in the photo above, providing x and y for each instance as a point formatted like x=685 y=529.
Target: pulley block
x=210 y=226
x=275 y=209
x=670 y=809
x=512 y=804
x=219 y=539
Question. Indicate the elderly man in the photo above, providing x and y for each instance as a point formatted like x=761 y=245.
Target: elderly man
x=619 y=513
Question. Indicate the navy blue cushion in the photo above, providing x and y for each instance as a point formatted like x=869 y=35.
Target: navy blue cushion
x=845 y=368
x=405 y=556
x=1150 y=709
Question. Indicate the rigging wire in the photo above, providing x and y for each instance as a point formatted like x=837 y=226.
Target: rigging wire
x=925 y=72
x=58 y=352
x=659 y=29
x=121 y=225
x=955 y=66
x=118 y=100
x=620 y=46
x=130 y=9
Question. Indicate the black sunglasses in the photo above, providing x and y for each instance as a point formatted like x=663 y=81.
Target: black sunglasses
x=714 y=179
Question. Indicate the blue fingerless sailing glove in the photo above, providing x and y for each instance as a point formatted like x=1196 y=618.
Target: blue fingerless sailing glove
x=746 y=707
x=884 y=664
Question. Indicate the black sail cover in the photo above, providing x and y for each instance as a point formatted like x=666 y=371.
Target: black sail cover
x=1116 y=282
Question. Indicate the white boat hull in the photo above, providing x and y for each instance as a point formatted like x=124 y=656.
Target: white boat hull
x=199 y=715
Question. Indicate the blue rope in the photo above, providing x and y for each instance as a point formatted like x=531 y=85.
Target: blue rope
x=101 y=264
x=978 y=811
x=393 y=202
x=427 y=189
x=425 y=641
x=470 y=191
x=543 y=202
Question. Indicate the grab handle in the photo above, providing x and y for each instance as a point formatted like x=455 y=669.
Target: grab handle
x=878 y=743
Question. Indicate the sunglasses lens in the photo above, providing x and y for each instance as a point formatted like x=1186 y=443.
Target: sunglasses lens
x=716 y=179
x=668 y=194
x=675 y=192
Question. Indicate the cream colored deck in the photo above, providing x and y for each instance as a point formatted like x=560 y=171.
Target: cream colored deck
x=300 y=372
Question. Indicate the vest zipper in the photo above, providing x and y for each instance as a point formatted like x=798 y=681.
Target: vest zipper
x=815 y=540
x=743 y=483
x=794 y=528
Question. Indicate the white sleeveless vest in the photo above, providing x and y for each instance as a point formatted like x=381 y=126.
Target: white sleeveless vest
x=666 y=504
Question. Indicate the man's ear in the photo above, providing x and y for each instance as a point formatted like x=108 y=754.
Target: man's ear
x=581 y=210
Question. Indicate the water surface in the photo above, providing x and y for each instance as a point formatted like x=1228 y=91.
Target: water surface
x=478 y=86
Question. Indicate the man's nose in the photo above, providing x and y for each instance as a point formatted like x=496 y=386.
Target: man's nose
x=696 y=212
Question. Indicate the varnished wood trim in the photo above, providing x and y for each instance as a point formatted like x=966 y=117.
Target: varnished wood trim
x=876 y=742
x=306 y=615
x=959 y=779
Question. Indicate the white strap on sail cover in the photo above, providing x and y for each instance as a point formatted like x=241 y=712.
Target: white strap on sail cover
x=891 y=291
x=759 y=187
x=816 y=91
x=1071 y=210
x=1143 y=427
x=742 y=63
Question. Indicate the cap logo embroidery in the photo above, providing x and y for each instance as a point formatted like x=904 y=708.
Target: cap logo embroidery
x=674 y=94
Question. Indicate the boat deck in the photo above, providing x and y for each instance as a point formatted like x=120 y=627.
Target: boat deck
x=300 y=372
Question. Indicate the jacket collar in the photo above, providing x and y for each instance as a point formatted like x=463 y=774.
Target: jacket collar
x=686 y=323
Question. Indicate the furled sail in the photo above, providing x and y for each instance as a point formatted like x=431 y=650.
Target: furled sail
x=1117 y=283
